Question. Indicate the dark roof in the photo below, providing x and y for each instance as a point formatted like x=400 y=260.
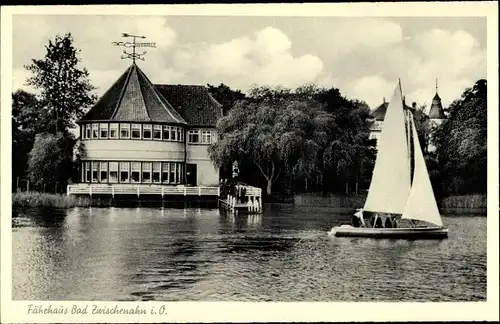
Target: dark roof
x=436 y=111
x=379 y=112
x=133 y=98
x=194 y=102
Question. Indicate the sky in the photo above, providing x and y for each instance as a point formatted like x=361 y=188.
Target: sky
x=364 y=57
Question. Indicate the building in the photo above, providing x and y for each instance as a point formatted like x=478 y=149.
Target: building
x=149 y=134
x=377 y=117
x=435 y=117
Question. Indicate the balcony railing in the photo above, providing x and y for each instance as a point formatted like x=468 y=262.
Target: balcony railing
x=129 y=189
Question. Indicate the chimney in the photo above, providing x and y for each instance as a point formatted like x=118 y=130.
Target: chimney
x=404 y=97
x=384 y=99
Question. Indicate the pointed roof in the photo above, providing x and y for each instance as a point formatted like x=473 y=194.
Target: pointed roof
x=133 y=98
x=436 y=111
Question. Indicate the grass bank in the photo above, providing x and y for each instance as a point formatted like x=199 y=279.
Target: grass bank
x=38 y=199
x=474 y=201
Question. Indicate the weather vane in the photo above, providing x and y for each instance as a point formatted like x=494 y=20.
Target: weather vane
x=134 y=56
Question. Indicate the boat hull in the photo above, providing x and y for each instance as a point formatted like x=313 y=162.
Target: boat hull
x=396 y=233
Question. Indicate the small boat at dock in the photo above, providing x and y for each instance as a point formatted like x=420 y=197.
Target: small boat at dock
x=400 y=200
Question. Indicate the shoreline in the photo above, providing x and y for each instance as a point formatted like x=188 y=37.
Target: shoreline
x=48 y=200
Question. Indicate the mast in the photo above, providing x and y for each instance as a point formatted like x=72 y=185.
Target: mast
x=408 y=138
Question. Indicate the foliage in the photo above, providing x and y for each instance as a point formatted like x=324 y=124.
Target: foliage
x=65 y=91
x=461 y=143
x=423 y=126
x=63 y=94
x=225 y=96
x=297 y=136
x=51 y=161
x=26 y=122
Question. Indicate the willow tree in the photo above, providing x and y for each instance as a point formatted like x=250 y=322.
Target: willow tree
x=249 y=132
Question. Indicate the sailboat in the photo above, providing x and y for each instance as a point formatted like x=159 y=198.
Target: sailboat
x=400 y=188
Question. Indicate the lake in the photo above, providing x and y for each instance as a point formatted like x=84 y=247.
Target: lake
x=197 y=254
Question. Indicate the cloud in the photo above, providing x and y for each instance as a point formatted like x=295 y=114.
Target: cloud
x=264 y=58
x=367 y=34
x=454 y=57
x=372 y=89
x=363 y=57
x=93 y=36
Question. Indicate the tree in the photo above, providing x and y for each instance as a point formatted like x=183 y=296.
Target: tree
x=423 y=127
x=65 y=90
x=51 y=161
x=461 y=145
x=26 y=122
x=248 y=132
x=225 y=96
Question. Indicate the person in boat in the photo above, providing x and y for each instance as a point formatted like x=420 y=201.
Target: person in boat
x=357 y=219
x=388 y=222
x=378 y=221
x=394 y=221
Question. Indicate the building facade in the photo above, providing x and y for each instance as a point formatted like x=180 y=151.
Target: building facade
x=377 y=117
x=141 y=133
x=435 y=117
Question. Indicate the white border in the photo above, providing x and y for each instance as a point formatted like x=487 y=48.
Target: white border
x=15 y=311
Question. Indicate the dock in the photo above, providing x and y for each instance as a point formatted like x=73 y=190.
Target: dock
x=243 y=198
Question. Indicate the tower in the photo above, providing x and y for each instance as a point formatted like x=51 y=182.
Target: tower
x=436 y=118
x=436 y=112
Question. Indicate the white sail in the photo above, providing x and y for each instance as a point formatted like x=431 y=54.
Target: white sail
x=390 y=185
x=421 y=202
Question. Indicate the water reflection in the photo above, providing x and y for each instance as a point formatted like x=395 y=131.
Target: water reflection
x=207 y=254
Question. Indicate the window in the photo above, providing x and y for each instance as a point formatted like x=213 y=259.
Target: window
x=103 y=172
x=124 y=130
x=135 y=171
x=94 y=171
x=113 y=130
x=113 y=171
x=83 y=172
x=146 y=171
x=173 y=131
x=146 y=131
x=194 y=136
x=172 y=172
x=156 y=172
x=95 y=130
x=179 y=134
x=166 y=133
x=87 y=131
x=182 y=135
x=206 y=137
x=124 y=172
x=87 y=171
x=104 y=131
x=157 y=132
x=136 y=130
x=165 y=172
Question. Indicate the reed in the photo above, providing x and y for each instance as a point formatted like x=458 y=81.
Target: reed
x=321 y=200
x=473 y=201
x=38 y=199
